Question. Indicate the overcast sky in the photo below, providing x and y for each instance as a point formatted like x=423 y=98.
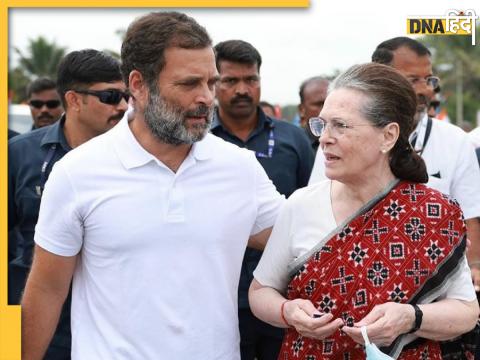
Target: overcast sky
x=294 y=43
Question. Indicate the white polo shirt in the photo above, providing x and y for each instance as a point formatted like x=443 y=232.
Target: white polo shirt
x=160 y=252
x=451 y=161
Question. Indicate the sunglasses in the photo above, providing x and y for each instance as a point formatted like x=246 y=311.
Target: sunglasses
x=38 y=104
x=110 y=97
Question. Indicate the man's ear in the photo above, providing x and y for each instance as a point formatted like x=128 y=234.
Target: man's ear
x=137 y=86
x=73 y=100
x=301 y=114
x=301 y=110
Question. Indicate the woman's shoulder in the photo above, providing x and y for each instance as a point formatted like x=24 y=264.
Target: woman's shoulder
x=311 y=192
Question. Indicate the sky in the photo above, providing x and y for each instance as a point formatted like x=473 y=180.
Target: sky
x=294 y=43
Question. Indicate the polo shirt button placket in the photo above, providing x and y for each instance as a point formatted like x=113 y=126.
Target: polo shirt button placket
x=175 y=204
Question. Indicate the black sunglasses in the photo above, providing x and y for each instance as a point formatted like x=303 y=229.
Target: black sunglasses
x=110 y=97
x=38 y=104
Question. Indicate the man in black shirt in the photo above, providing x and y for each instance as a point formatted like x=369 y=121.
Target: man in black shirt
x=281 y=148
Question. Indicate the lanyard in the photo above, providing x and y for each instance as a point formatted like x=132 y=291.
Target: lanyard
x=419 y=140
x=271 y=145
x=43 y=172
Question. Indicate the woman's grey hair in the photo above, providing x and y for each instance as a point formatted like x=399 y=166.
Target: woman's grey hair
x=391 y=99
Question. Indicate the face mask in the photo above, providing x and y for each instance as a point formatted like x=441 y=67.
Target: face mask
x=373 y=353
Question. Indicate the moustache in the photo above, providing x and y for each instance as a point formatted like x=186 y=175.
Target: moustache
x=117 y=116
x=200 y=111
x=241 y=98
x=45 y=116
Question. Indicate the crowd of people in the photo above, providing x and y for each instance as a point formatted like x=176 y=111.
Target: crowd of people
x=159 y=210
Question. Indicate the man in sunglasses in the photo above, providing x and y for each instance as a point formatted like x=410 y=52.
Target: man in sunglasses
x=44 y=101
x=94 y=97
x=281 y=148
x=152 y=218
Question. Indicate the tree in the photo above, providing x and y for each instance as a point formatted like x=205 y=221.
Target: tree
x=457 y=63
x=41 y=59
x=17 y=85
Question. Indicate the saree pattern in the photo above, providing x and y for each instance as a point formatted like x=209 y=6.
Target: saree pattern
x=404 y=246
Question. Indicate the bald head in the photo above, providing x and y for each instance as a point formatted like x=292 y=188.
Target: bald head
x=312 y=93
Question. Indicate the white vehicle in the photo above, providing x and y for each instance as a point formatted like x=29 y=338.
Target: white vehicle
x=19 y=118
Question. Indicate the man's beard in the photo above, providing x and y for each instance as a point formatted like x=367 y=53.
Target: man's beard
x=167 y=120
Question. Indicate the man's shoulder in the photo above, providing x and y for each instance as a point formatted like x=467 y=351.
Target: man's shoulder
x=218 y=146
x=449 y=137
x=285 y=125
x=447 y=129
x=33 y=137
x=90 y=153
x=290 y=130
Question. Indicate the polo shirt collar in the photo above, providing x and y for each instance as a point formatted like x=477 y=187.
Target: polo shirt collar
x=133 y=155
x=263 y=120
x=55 y=135
x=203 y=150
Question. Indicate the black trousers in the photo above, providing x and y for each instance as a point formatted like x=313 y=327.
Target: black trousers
x=258 y=340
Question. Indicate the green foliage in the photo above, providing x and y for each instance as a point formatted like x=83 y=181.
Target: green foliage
x=450 y=53
x=41 y=59
x=17 y=85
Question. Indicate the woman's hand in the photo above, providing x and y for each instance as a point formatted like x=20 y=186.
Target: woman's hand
x=384 y=323
x=308 y=321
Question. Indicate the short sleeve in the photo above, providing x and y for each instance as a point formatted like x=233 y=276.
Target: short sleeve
x=460 y=285
x=272 y=269
x=59 y=228
x=268 y=200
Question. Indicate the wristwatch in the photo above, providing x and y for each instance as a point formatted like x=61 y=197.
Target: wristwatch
x=418 y=318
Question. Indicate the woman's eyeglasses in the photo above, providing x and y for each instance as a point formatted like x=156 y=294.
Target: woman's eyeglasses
x=335 y=127
x=110 y=97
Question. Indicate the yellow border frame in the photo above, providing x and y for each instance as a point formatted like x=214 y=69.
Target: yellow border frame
x=10 y=338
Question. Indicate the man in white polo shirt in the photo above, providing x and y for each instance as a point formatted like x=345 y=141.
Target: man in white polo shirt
x=152 y=219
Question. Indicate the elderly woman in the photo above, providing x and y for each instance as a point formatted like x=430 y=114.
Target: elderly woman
x=371 y=246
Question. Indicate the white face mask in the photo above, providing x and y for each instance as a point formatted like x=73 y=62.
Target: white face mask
x=373 y=352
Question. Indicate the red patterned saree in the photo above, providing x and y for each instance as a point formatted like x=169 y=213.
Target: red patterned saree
x=403 y=246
